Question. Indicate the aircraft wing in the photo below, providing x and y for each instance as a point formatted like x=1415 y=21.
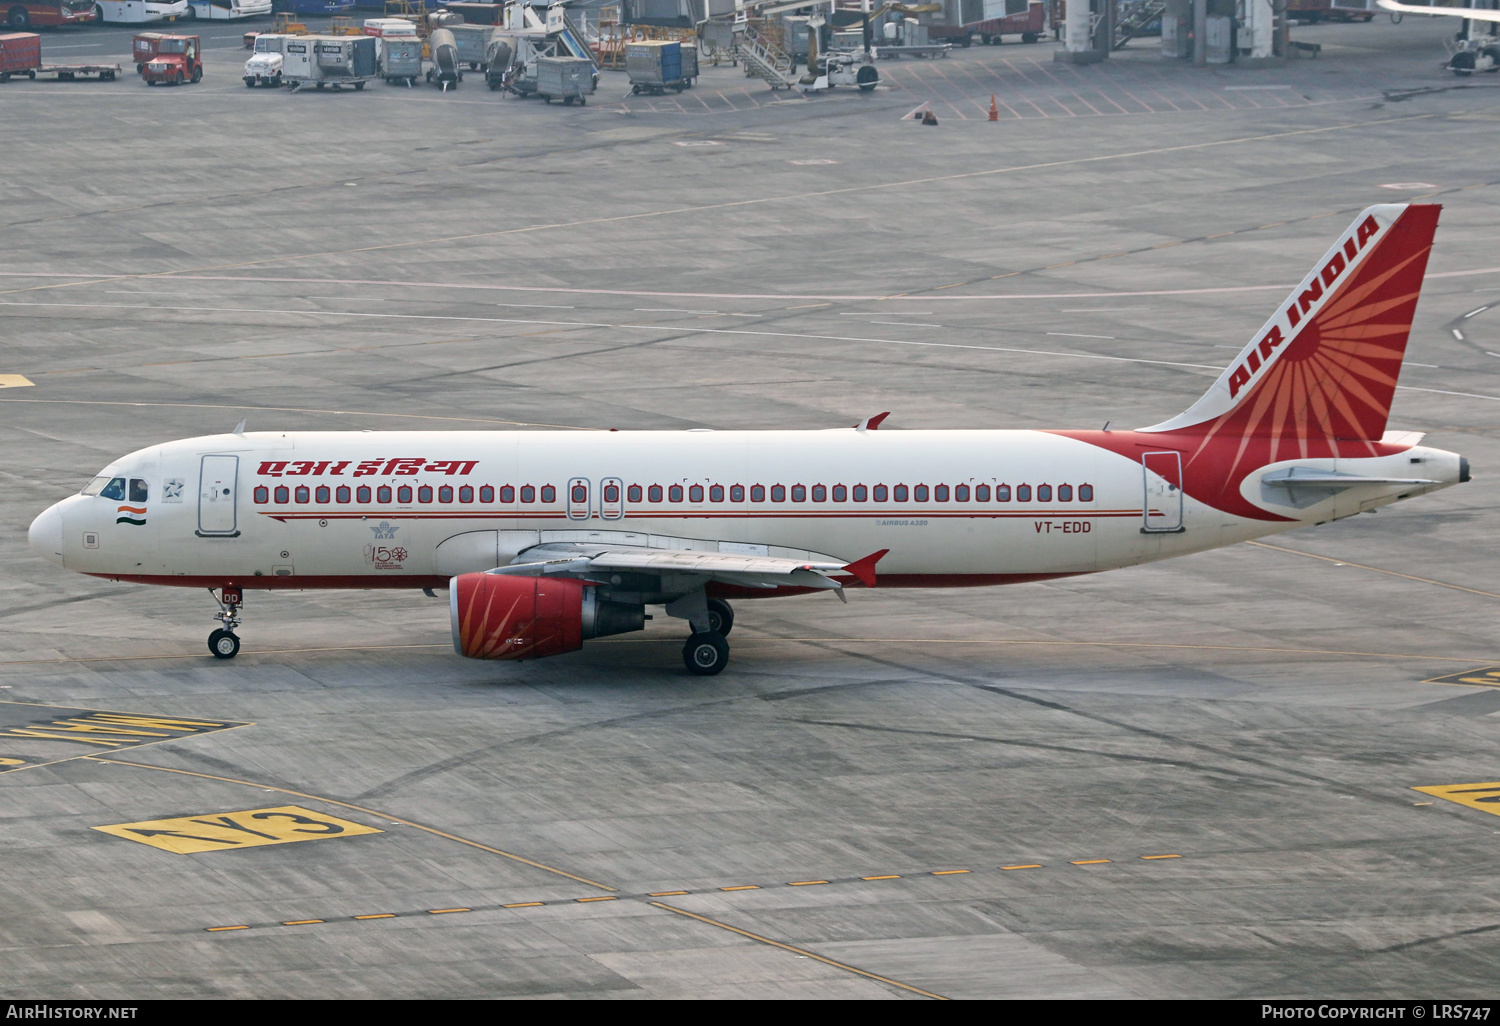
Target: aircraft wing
x=1452 y=12
x=728 y=568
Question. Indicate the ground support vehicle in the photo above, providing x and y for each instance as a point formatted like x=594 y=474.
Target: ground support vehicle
x=21 y=54
x=842 y=67
x=24 y=14
x=264 y=68
x=400 y=59
x=324 y=61
x=172 y=59
x=1466 y=56
x=1310 y=12
x=565 y=78
x=227 y=10
x=445 y=70
x=473 y=42
x=656 y=65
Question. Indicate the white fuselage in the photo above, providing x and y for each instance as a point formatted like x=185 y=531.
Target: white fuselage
x=411 y=509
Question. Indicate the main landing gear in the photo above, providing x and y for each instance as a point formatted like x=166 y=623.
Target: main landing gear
x=706 y=652
x=224 y=643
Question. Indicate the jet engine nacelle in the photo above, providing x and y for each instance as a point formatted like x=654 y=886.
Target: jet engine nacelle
x=500 y=616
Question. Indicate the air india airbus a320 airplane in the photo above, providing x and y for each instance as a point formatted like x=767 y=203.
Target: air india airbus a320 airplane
x=546 y=539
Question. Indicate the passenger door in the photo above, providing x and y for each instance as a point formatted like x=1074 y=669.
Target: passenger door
x=217 y=491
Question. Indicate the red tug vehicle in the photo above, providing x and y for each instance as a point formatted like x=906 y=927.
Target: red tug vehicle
x=161 y=57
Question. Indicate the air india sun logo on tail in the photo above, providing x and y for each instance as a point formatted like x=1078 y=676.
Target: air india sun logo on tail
x=131 y=515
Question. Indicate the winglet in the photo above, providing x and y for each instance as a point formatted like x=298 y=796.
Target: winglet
x=864 y=569
x=871 y=423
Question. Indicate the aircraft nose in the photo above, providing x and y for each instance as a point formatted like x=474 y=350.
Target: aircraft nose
x=46 y=535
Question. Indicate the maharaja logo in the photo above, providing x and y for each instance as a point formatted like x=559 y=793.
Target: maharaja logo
x=131 y=515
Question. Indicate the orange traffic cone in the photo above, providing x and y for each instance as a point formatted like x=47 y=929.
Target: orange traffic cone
x=994 y=109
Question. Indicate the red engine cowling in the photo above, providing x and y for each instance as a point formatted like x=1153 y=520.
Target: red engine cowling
x=497 y=616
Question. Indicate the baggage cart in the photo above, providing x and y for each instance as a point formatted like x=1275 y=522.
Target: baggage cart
x=21 y=54
x=472 y=41
x=400 y=59
x=656 y=65
x=564 y=78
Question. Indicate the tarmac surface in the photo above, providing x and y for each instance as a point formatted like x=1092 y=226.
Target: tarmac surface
x=1192 y=779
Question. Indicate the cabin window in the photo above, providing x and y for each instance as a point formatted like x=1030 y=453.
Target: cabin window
x=342 y=494
x=362 y=493
x=1002 y=493
x=403 y=495
x=1044 y=493
x=757 y=493
x=778 y=493
x=465 y=493
x=611 y=493
x=445 y=493
x=736 y=493
x=1023 y=493
x=899 y=493
x=633 y=493
x=323 y=494
x=960 y=493
x=487 y=493
x=303 y=494
x=860 y=493
x=674 y=493
x=283 y=494
x=840 y=493
x=695 y=493
x=919 y=493
x=799 y=493
x=383 y=494
x=549 y=494
x=528 y=493
x=138 y=490
x=881 y=491
x=655 y=493
x=819 y=493
x=715 y=493
x=1085 y=493
x=939 y=493
x=262 y=494
x=1064 y=493
x=424 y=493
x=981 y=493
x=507 y=494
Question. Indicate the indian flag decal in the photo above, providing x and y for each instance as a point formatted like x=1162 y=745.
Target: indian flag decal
x=131 y=515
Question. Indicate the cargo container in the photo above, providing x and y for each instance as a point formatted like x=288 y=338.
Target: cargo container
x=335 y=61
x=479 y=13
x=473 y=42
x=400 y=59
x=381 y=27
x=564 y=78
x=656 y=65
x=445 y=70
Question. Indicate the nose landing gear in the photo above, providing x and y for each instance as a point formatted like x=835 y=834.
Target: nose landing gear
x=223 y=642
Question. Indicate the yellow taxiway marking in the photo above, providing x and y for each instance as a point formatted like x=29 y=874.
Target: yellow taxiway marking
x=357 y=808
x=445 y=911
x=800 y=951
x=806 y=883
x=15 y=381
x=665 y=894
x=948 y=872
x=188 y=835
x=221 y=929
x=599 y=897
x=378 y=915
x=1485 y=677
x=1029 y=865
x=1148 y=858
x=1375 y=569
x=1484 y=797
x=1090 y=862
x=524 y=904
x=742 y=887
x=892 y=876
x=301 y=922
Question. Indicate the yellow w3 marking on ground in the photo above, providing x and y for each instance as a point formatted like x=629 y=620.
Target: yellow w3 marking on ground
x=192 y=834
x=57 y=733
x=14 y=381
x=1484 y=797
x=1485 y=676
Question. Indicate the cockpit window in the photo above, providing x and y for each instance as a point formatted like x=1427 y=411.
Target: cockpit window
x=109 y=487
x=138 y=490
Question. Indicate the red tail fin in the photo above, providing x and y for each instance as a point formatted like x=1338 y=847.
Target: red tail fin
x=1324 y=368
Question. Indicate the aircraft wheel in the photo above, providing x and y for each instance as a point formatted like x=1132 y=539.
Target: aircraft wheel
x=720 y=617
x=705 y=654
x=226 y=644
